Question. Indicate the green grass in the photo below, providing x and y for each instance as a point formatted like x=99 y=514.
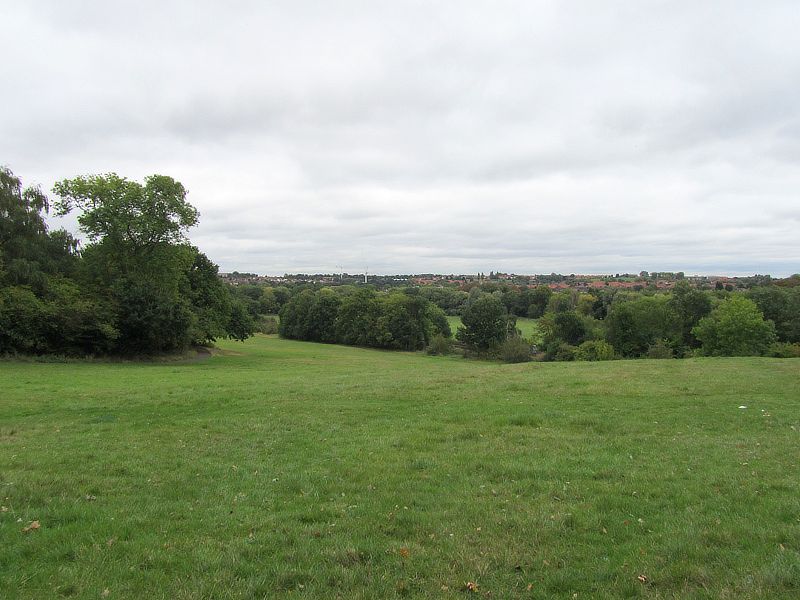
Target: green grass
x=289 y=469
x=528 y=327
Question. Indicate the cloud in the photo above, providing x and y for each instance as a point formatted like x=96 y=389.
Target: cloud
x=416 y=136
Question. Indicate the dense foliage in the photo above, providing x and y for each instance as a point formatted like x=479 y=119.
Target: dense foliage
x=735 y=328
x=571 y=325
x=485 y=324
x=362 y=317
x=137 y=287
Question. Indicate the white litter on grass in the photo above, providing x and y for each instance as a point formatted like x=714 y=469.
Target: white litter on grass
x=742 y=406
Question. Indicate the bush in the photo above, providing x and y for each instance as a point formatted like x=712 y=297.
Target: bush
x=559 y=351
x=593 y=350
x=660 y=350
x=440 y=345
x=515 y=350
x=784 y=350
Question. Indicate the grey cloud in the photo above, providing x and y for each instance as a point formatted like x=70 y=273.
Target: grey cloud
x=450 y=136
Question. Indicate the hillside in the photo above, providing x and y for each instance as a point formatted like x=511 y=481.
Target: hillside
x=279 y=468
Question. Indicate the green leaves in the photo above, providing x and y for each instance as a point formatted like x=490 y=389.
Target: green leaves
x=126 y=213
x=735 y=328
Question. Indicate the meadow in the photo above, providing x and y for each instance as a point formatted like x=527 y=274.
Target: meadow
x=277 y=469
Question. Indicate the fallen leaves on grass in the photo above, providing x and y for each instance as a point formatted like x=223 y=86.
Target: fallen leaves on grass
x=404 y=553
x=471 y=586
x=32 y=527
x=642 y=578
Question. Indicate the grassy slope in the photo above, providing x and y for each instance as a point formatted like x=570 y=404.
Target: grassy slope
x=325 y=471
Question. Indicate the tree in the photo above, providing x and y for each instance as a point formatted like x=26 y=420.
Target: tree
x=691 y=305
x=29 y=252
x=357 y=318
x=282 y=295
x=484 y=324
x=450 y=300
x=537 y=299
x=735 y=328
x=164 y=293
x=126 y=214
x=268 y=303
x=322 y=316
x=782 y=306
x=563 y=301
x=569 y=327
x=295 y=315
x=636 y=324
x=42 y=309
x=213 y=304
x=437 y=321
x=401 y=323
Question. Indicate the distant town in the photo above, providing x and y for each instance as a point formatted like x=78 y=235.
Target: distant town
x=660 y=280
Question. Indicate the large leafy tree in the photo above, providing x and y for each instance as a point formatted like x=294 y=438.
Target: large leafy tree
x=782 y=306
x=735 y=328
x=538 y=299
x=691 y=305
x=322 y=316
x=126 y=214
x=29 y=252
x=165 y=293
x=42 y=307
x=357 y=318
x=633 y=325
x=402 y=323
x=485 y=323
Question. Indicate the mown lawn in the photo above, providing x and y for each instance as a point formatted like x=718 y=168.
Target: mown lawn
x=289 y=469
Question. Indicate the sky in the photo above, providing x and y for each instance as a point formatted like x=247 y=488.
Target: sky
x=573 y=136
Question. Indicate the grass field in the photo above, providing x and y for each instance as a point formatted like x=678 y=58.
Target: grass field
x=289 y=469
x=528 y=327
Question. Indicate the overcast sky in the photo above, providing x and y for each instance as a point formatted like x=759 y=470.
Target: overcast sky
x=416 y=136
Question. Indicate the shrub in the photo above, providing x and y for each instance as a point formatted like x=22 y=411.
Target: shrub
x=440 y=345
x=593 y=350
x=660 y=350
x=784 y=350
x=515 y=350
x=559 y=351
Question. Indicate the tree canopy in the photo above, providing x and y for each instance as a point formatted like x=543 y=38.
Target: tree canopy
x=735 y=328
x=138 y=286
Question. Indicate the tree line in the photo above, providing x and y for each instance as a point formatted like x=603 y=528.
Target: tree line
x=605 y=324
x=136 y=287
x=764 y=321
x=400 y=320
